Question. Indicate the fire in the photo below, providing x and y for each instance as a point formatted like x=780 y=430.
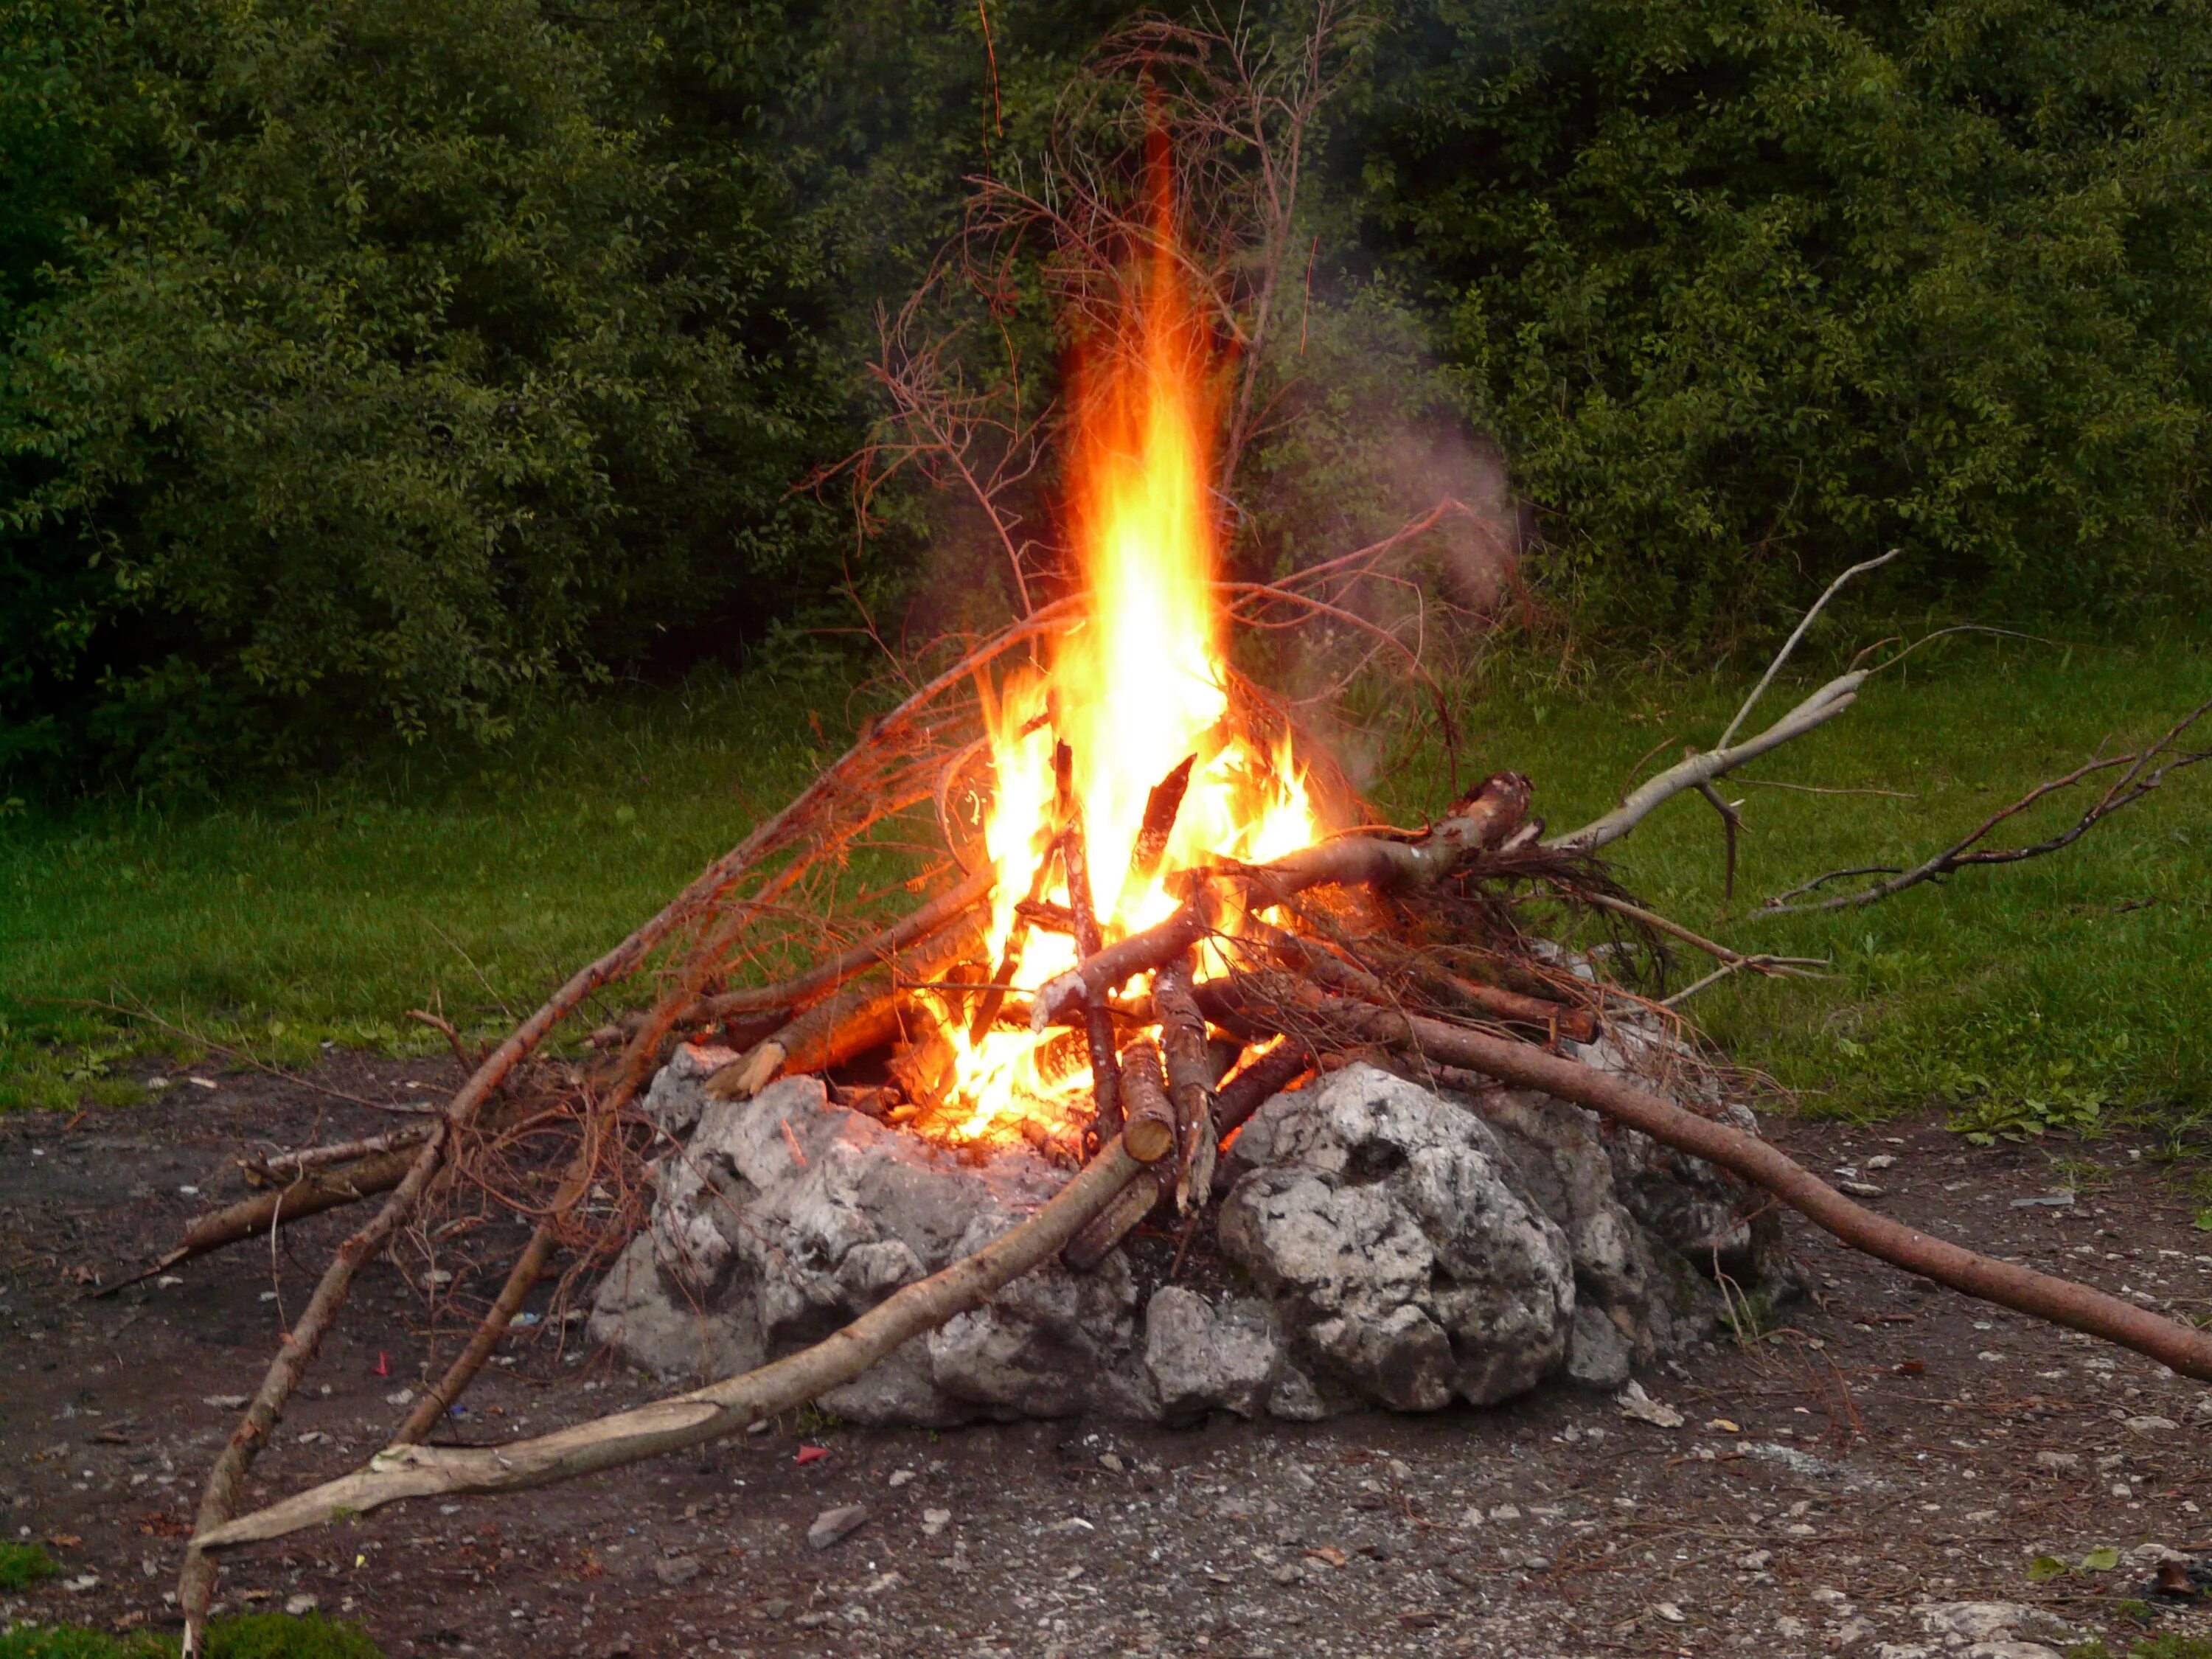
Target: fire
x=1136 y=686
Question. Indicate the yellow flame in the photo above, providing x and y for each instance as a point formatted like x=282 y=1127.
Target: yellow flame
x=1138 y=685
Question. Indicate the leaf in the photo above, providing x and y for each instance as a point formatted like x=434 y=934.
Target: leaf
x=2045 y=1568
x=2103 y=1559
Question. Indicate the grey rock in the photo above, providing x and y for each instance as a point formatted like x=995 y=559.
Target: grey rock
x=832 y=1526
x=1380 y=1219
x=1988 y=1622
x=674 y=1570
x=679 y=1094
x=1205 y=1358
x=785 y=1217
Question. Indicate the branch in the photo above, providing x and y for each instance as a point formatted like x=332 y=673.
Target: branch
x=2130 y=788
x=723 y=1409
x=2177 y=1346
x=1791 y=644
x=1823 y=705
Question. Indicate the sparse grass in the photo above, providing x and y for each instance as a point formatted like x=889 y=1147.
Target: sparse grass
x=247 y=1636
x=22 y=1566
x=2048 y=996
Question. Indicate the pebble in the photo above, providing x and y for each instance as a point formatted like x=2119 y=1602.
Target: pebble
x=832 y=1525
x=935 y=1520
x=676 y=1570
x=901 y=1477
x=299 y=1607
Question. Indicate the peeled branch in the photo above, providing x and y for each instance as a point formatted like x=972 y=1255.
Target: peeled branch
x=709 y=1413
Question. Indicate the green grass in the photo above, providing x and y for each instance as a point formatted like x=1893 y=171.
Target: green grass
x=2054 y=993
x=245 y=1635
x=286 y=923
x=2067 y=987
x=22 y=1566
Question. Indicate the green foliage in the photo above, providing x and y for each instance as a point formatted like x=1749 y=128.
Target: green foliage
x=244 y=1636
x=22 y=1566
x=1749 y=288
x=377 y=391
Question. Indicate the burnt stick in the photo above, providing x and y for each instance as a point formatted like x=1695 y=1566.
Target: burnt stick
x=1191 y=1078
x=1098 y=1026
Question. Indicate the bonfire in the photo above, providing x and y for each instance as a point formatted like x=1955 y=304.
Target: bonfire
x=1155 y=905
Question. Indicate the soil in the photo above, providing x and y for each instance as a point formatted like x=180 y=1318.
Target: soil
x=1879 y=1448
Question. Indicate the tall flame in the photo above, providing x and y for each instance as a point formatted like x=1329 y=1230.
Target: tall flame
x=1139 y=684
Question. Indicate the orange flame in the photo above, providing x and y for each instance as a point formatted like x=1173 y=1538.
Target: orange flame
x=1136 y=686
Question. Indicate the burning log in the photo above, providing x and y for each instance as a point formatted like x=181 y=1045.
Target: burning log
x=1162 y=807
x=867 y=1013
x=1097 y=1027
x=1191 y=1078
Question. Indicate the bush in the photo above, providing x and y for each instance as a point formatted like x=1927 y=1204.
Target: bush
x=375 y=388
x=1750 y=288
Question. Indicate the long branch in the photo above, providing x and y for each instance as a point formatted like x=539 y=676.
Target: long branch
x=2061 y=1301
x=708 y=1413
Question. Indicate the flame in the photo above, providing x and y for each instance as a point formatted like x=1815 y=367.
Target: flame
x=1138 y=685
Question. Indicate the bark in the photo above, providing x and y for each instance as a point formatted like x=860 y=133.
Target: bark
x=1191 y=1078
x=1097 y=1025
x=1258 y=1083
x=2060 y=1301
x=1162 y=807
x=709 y=1413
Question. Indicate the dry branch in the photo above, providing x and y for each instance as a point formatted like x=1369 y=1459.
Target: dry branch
x=723 y=1409
x=1191 y=1078
x=310 y=1193
x=2131 y=787
x=1258 y=1083
x=2060 y=1301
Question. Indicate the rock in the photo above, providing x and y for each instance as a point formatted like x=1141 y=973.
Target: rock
x=1635 y=1403
x=1407 y=1248
x=786 y=1217
x=900 y=1478
x=2010 y=1651
x=832 y=1526
x=1202 y=1358
x=935 y=1520
x=674 y=1570
x=1379 y=1219
x=1988 y=1622
x=2057 y=1459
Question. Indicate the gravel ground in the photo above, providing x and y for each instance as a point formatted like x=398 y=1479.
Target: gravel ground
x=1885 y=1452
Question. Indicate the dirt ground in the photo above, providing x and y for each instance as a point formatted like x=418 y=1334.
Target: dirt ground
x=1889 y=1451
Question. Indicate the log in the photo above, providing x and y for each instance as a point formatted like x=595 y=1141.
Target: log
x=1009 y=958
x=311 y=1194
x=1479 y=823
x=1162 y=807
x=865 y=1014
x=1191 y=1078
x=1098 y=1026
x=1149 y=1132
x=2060 y=1301
x=1259 y=1083
x=709 y=1413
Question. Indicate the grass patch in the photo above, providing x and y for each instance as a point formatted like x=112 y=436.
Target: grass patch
x=244 y=1636
x=2026 y=999
x=2037 y=1001
x=281 y=923
x=22 y=1566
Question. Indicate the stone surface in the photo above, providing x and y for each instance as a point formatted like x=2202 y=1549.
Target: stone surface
x=1379 y=1218
x=833 y=1525
x=1205 y=1358
x=785 y=1217
x=1406 y=1248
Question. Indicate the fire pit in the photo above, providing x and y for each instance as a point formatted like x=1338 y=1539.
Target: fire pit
x=1168 y=915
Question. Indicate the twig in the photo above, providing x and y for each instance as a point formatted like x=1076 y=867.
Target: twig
x=2131 y=787
x=1797 y=633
